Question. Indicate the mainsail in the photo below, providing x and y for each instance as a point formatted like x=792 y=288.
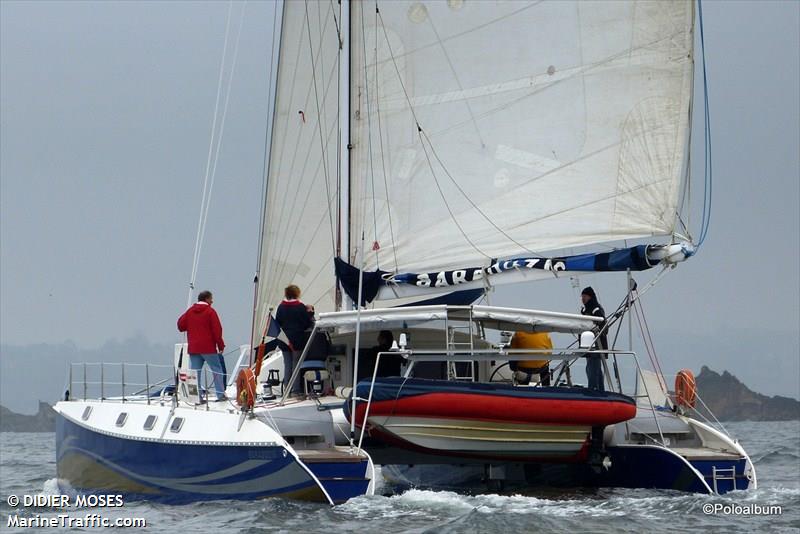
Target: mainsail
x=491 y=130
x=479 y=132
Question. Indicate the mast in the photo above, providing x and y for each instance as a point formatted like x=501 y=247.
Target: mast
x=343 y=224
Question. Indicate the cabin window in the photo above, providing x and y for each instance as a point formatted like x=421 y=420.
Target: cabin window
x=86 y=413
x=176 y=425
x=150 y=422
x=121 y=418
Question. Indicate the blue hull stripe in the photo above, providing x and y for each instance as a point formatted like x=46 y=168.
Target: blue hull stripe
x=177 y=472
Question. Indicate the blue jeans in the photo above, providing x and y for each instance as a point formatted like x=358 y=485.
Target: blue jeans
x=213 y=361
x=594 y=371
x=290 y=360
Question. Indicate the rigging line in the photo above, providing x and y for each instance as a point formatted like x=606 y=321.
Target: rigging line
x=380 y=141
x=397 y=70
x=267 y=138
x=321 y=64
x=458 y=81
x=684 y=225
x=650 y=351
x=283 y=218
x=336 y=23
x=473 y=204
x=288 y=222
x=302 y=258
x=210 y=150
x=444 y=199
x=337 y=238
x=339 y=141
x=325 y=264
x=289 y=114
x=419 y=135
x=650 y=337
x=688 y=204
x=470 y=30
x=300 y=131
x=284 y=139
x=414 y=115
x=685 y=206
x=603 y=199
x=369 y=138
x=579 y=71
x=285 y=251
x=710 y=413
x=322 y=296
x=706 y=218
x=319 y=120
x=222 y=127
x=269 y=122
x=283 y=259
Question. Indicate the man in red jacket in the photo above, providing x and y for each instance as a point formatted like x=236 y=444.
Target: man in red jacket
x=202 y=327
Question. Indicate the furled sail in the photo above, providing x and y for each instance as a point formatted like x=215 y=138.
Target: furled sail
x=491 y=130
x=300 y=210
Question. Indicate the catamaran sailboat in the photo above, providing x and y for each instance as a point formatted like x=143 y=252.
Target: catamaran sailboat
x=422 y=153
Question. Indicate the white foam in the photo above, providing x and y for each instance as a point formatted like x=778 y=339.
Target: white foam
x=51 y=486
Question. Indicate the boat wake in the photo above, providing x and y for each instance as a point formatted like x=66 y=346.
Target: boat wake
x=617 y=508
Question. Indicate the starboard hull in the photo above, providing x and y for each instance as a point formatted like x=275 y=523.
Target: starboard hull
x=630 y=466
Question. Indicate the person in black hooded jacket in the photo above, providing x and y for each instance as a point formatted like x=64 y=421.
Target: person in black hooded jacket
x=594 y=362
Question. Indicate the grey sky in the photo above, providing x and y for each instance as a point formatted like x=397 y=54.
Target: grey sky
x=105 y=117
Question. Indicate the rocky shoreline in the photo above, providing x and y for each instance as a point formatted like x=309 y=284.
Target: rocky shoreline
x=730 y=400
x=43 y=421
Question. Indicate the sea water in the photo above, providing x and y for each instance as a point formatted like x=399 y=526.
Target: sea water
x=27 y=467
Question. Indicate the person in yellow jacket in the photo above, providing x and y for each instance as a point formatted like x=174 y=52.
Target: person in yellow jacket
x=524 y=369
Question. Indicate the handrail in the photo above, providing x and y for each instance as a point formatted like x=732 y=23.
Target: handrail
x=505 y=354
x=93 y=369
x=297 y=364
x=371 y=388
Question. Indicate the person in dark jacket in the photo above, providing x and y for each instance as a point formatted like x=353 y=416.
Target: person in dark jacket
x=295 y=319
x=390 y=364
x=204 y=330
x=594 y=362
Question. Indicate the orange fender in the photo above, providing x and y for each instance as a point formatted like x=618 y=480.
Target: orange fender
x=246 y=388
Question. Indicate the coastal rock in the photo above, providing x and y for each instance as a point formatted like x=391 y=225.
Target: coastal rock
x=730 y=400
x=43 y=421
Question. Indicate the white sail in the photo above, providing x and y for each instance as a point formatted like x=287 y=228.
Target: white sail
x=544 y=125
x=300 y=210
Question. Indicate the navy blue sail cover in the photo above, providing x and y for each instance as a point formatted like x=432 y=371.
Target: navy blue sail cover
x=633 y=258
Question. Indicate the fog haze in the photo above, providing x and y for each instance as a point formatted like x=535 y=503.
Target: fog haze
x=105 y=117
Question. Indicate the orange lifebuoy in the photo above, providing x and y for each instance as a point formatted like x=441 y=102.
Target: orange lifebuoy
x=685 y=388
x=246 y=388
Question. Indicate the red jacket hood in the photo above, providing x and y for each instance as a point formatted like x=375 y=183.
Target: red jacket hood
x=198 y=307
